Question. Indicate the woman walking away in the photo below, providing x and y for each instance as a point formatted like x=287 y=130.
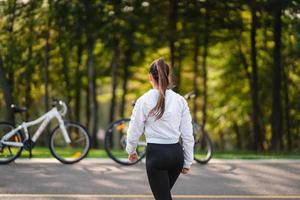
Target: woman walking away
x=164 y=117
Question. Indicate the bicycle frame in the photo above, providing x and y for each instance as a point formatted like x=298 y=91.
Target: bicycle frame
x=44 y=120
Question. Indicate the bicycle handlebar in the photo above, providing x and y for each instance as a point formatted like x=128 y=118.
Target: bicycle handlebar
x=190 y=95
x=64 y=109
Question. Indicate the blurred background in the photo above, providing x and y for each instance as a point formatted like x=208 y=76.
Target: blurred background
x=241 y=58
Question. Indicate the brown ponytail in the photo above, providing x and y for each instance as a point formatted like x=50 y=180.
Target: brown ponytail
x=160 y=72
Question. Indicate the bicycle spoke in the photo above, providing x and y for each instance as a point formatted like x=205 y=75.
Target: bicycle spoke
x=9 y=152
x=70 y=152
x=79 y=140
x=115 y=143
x=203 y=145
x=2 y=148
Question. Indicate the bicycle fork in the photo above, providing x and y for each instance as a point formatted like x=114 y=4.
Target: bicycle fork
x=63 y=129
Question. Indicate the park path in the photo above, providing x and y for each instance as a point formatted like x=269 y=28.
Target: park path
x=102 y=179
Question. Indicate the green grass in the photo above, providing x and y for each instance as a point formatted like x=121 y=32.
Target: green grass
x=255 y=155
x=44 y=152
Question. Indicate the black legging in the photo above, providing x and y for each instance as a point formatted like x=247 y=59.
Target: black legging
x=164 y=163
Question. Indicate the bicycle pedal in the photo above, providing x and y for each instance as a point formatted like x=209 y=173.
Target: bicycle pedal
x=28 y=144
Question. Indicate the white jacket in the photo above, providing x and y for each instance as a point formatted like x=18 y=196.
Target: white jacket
x=176 y=122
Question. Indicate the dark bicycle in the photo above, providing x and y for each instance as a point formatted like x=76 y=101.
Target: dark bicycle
x=115 y=142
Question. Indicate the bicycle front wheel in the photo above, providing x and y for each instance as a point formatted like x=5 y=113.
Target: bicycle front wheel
x=69 y=153
x=8 y=153
x=203 y=148
x=115 y=143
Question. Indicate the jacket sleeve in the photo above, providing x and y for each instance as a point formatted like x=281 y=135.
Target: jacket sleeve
x=186 y=129
x=136 y=127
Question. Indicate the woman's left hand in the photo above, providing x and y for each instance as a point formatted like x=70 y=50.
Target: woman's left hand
x=185 y=170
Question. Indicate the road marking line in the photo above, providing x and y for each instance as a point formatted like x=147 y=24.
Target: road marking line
x=141 y=196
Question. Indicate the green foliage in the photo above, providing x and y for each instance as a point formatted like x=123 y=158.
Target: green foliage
x=141 y=31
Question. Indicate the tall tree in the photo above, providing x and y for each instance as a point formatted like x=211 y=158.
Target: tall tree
x=114 y=76
x=258 y=140
x=92 y=88
x=78 y=82
x=287 y=129
x=7 y=92
x=204 y=62
x=93 y=106
x=79 y=53
x=172 y=30
x=127 y=63
x=276 y=77
x=196 y=74
x=29 y=60
x=47 y=49
x=7 y=72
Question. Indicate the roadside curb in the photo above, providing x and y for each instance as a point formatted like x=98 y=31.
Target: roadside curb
x=278 y=160
x=213 y=161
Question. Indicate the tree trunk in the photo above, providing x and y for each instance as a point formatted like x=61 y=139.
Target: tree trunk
x=127 y=63
x=173 y=17
x=258 y=139
x=8 y=98
x=6 y=73
x=195 y=78
x=204 y=67
x=93 y=107
x=67 y=80
x=46 y=71
x=78 y=71
x=87 y=108
x=179 y=66
x=238 y=136
x=65 y=72
x=29 y=71
x=10 y=56
x=222 y=140
x=47 y=57
x=287 y=108
x=244 y=61
x=78 y=84
x=276 y=79
x=204 y=70
x=30 y=65
x=114 y=76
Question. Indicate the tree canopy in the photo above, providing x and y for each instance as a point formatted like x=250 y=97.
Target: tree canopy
x=241 y=58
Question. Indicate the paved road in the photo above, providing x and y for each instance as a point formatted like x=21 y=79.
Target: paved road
x=102 y=179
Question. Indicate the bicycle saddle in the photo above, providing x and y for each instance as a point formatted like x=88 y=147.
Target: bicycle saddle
x=17 y=109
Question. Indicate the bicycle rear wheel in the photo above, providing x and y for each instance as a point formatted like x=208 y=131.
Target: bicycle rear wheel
x=203 y=148
x=76 y=150
x=8 y=153
x=115 y=143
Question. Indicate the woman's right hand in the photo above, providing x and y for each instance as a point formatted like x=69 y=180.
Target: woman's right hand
x=185 y=170
x=133 y=157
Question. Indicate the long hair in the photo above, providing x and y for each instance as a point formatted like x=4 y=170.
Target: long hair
x=160 y=72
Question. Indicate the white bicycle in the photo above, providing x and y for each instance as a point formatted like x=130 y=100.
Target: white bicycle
x=69 y=142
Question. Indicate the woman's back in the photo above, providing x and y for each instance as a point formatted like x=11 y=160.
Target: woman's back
x=166 y=129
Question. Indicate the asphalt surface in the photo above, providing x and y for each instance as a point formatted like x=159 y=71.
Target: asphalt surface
x=47 y=179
